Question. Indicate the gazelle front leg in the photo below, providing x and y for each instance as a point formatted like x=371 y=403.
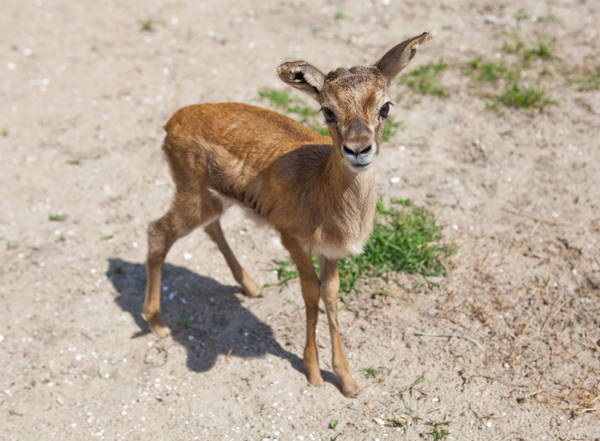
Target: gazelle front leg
x=330 y=283
x=310 y=292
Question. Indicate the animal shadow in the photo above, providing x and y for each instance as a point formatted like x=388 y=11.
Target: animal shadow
x=204 y=316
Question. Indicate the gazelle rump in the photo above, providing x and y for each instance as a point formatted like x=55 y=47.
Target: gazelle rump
x=320 y=196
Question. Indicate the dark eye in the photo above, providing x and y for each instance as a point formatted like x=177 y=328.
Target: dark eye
x=385 y=110
x=328 y=114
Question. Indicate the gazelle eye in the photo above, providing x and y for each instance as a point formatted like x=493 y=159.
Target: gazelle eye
x=385 y=110
x=329 y=115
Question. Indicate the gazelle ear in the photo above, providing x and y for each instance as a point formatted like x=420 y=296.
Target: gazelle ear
x=397 y=58
x=302 y=76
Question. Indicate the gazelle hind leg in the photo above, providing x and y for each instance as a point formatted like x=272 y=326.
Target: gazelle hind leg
x=187 y=212
x=251 y=288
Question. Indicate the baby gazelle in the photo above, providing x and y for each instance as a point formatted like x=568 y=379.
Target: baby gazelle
x=319 y=196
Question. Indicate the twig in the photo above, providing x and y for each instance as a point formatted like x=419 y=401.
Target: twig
x=537 y=219
x=469 y=339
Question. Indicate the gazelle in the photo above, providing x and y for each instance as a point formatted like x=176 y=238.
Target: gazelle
x=320 y=196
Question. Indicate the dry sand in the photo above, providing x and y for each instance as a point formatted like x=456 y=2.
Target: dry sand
x=508 y=343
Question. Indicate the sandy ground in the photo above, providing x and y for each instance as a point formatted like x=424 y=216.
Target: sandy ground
x=518 y=315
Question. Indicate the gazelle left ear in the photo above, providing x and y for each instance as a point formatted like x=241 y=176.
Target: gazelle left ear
x=398 y=57
x=302 y=76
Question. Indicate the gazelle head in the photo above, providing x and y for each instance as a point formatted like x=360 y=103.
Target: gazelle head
x=355 y=101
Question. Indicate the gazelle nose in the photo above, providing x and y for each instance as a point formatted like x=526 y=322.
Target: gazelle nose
x=356 y=150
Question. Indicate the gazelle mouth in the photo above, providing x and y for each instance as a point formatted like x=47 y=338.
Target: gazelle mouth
x=360 y=166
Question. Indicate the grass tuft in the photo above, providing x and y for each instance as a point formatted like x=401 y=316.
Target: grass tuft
x=185 y=321
x=405 y=238
x=58 y=217
x=148 y=25
x=522 y=15
x=75 y=160
x=588 y=80
x=280 y=98
x=524 y=97
x=438 y=430
x=513 y=93
x=390 y=128
x=5 y=132
x=487 y=71
x=426 y=79
x=543 y=50
x=11 y=245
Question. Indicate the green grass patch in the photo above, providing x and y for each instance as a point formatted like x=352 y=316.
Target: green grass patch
x=514 y=47
x=391 y=127
x=405 y=238
x=280 y=98
x=419 y=380
x=377 y=374
x=11 y=245
x=5 y=132
x=588 y=80
x=543 y=49
x=523 y=97
x=148 y=25
x=286 y=271
x=107 y=237
x=438 y=430
x=522 y=15
x=75 y=160
x=333 y=424
x=185 y=321
x=58 y=217
x=426 y=79
x=487 y=71
x=339 y=15
x=509 y=90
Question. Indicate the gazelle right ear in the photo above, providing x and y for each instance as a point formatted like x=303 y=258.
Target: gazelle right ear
x=397 y=58
x=302 y=76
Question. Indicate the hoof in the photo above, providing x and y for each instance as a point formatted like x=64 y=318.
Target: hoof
x=251 y=288
x=315 y=380
x=350 y=389
x=157 y=326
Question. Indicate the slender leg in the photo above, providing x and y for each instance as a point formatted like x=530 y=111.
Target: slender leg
x=330 y=284
x=184 y=215
x=310 y=292
x=251 y=288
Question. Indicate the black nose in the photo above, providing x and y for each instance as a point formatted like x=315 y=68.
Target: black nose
x=359 y=151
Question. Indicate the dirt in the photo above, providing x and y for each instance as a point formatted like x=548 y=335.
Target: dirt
x=504 y=348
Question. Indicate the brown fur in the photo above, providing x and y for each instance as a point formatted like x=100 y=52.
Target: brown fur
x=318 y=194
